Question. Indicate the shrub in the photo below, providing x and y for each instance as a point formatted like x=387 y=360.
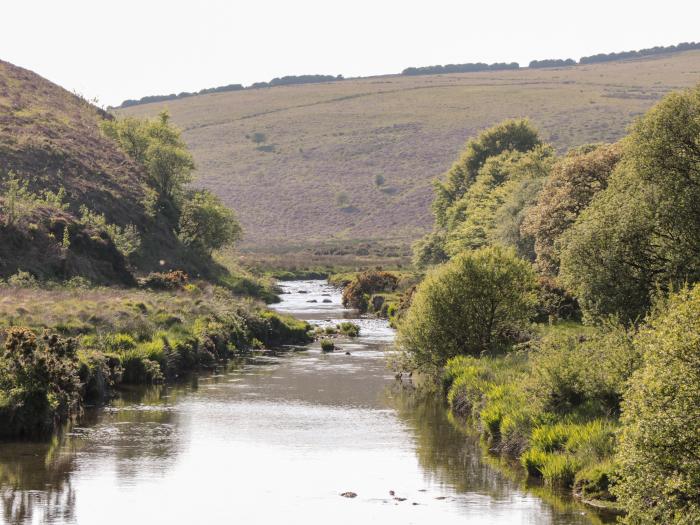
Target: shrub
x=22 y=279
x=533 y=460
x=659 y=451
x=39 y=383
x=583 y=375
x=349 y=329
x=274 y=329
x=138 y=369
x=173 y=280
x=595 y=482
x=475 y=304
x=206 y=224
x=327 y=345
x=559 y=470
x=119 y=342
x=356 y=294
x=551 y=438
x=640 y=236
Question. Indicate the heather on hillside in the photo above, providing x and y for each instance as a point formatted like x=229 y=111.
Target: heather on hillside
x=325 y=139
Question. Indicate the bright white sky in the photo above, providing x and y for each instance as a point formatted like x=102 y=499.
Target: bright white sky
x=114 y=50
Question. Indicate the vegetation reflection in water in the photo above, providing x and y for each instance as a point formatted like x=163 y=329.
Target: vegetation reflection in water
x=451 y=451
x=308 y=421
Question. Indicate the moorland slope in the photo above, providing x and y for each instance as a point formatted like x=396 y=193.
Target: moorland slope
x=300 y=163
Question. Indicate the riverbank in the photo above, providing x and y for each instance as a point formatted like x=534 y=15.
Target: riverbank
x=68 y=347
x=552 y=406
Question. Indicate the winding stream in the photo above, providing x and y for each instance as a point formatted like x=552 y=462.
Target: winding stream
x=273 y=439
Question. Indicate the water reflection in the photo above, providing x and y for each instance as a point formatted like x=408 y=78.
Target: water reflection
x=452 y=455
x=35 y=482
x=275 y=438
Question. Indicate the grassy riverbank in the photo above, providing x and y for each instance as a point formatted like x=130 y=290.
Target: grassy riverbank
x=101 y=338
x=553 y=404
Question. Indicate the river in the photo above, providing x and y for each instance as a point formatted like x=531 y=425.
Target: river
x=274 y=439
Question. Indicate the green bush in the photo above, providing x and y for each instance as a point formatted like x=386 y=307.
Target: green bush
x=476 y=304
x=39 y=383
x=533 y=460
x=138 y=369
x=118 y=342
x=349 y=329
x=327 y=345
x=583 y=375
x=22 y=279
x=275 y=329
x=596 y=481
x=356 y=294
x=559 y=470
x=659 y=451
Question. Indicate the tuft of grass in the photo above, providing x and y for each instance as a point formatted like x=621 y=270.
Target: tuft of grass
x=327 y=345
x=559 y=470
x=349 y=329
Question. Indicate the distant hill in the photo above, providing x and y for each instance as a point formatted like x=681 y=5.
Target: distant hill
x=355 y=159
x=51 y=140
x=277 y=81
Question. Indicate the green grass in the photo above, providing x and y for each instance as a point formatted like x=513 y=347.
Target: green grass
x=338 y=137
x=558 y=448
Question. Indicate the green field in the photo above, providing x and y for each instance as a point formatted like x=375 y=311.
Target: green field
x=281 y=156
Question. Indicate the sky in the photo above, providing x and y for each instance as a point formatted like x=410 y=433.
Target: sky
x=113 y=50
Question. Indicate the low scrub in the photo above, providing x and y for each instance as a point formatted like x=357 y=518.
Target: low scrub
x=357 y=293
x=112 y=337
x=39 y=383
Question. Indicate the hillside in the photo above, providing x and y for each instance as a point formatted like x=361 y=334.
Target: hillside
x=284 y=157
x=51 y=140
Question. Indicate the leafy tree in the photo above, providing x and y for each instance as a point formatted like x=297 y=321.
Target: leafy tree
x=429 y=250
x=474 y=304
x=206 y=223
x=126 y=238
x=573 y=182
x=379 y=180
x=510 y=135
x=641 y=235
x=491 y=209
x=158 y=146
x=659 y=450
x=19 y=201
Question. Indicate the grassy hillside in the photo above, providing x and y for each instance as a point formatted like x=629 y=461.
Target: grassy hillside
x=51 y=140
x=281 y=156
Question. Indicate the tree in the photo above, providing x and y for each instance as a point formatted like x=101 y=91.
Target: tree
x=491 y=209
x=510 y=135
x=573 y=182
x=158 y=146
x=659 y=449
x=379 y=180
x=206 y=224
x=472 y=305
x=641 y=235
x=429 y=250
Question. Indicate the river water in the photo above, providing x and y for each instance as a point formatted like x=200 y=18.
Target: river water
x=274 y=439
